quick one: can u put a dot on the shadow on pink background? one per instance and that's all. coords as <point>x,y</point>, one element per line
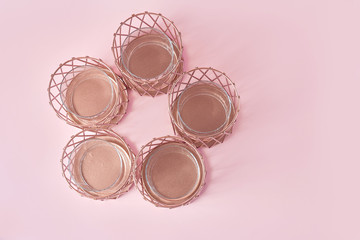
<point>289,170</point>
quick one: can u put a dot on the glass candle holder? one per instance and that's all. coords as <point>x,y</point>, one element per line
<point>203,106</point>
<point>98,164</point>
<point>169,172</point>
<point>85,92</point>
<point>148,52</point>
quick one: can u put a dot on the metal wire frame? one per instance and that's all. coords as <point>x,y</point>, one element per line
<point>67,163</point>
<point>54,92</point>
<point>139,164</point>
<point>156,86</point>
<point>204,74</point>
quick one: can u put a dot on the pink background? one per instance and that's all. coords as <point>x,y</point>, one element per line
<point>289,171</point>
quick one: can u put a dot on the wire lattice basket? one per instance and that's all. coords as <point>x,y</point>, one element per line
<point>71,166</point>
<point>219,82</point>
<point>59,85</point>
<point>132,29</point>
<point>144,156</point>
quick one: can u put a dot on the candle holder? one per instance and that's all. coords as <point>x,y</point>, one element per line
<point>86,93</point>
<point>203,106</point>
<point>98,164</point>
<point>169,172</point>
<point>148,52</point>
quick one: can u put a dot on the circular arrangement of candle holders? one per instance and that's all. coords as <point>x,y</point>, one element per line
<point>86,93</point>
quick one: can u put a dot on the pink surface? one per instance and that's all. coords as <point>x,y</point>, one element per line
<point>289,171</point>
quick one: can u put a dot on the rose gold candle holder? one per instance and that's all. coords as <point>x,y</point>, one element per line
<point>85,92</point>
<point>148,52</point>
<point>98,164</point>
<point>169,172</point>
<point>203,106</point>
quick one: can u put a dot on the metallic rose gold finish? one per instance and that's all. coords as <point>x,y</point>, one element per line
<point>203,106</point>
<point>148,62</point>
<point>98,164</point>
<point>169,172</point>
<point>86,93</point>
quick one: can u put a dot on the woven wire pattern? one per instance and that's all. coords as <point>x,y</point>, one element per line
<point>204,75</point>
<point>140,161</point>
<point>148,20</point>
<point>55,92</point>
<point>67,163</point>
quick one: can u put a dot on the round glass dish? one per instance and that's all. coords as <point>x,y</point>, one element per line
<point>147,54</point>
<point>203,106</point>
<point>169,172</point>
<point>86,93</point>
<point>98,164</point>
<point>147,48</point>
